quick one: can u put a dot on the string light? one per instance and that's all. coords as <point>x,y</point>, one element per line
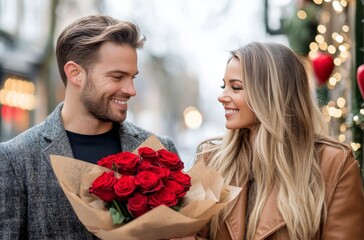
<point>338,44</point>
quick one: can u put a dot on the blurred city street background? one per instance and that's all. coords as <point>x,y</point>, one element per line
<point>182,64</point>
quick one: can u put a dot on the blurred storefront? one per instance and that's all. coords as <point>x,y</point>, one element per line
<point>23,35</point>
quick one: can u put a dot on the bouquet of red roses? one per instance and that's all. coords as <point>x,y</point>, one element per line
<point>153,186</point>
<point>139,183</point>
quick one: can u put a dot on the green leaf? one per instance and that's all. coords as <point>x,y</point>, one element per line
<point>178,206</point>
<point>117,217</point>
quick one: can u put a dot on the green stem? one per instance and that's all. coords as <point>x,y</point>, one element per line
<point>117,206</point>
<point>125,211</point>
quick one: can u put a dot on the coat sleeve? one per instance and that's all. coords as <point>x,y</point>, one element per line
<point>12,201</point>
<point>345,210</point>
<point>168,143</point>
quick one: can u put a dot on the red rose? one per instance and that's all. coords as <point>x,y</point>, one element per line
<point>175,187</point>
<point>103,186</point>
<point>138,204</point>
<point>164,196</point>
<point>162,172</point>
<point>107,161</point>
<point>149,155</point>
<point>170,160</point>
<point>182,178</point>
<point>124,187</point>
<point>148,181</point>
<point>144,165</point>
<point>127,162</point>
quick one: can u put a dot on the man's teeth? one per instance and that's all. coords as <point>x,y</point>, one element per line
<point>118,101</point>
<point>230,111</point>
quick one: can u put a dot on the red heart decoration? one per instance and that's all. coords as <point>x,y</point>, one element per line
<point>360,79</point>
<point>323,65</point>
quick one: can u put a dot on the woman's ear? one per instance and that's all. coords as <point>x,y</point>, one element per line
<point>73,72</point>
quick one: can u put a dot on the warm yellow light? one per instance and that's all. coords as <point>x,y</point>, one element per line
<point>332,81</point>
<point>3,93</point>
<point>337,61</point>
<point>332,111</point>
<point>325,109</point>
<point>192,117</point>
<point>355,146</point>
<point>331,49</point>
<point>318,2</point>
<point>342,48</point>
<point>339,38</point>
<point>345,28</point>
<point>344,55</point>
<point>356,119</point>
<point>323,46</point>
<point>321,28</point>
<point>337,6</point>
<point>361,111</point>
<point>338,76</point>
<point>312,54</point>
<point>344,3</point>
<point>301,14</point>
<point>342,138</point>
<point>343,127</point>
<point>340,102</point>
<point>319,38</point>
<point>314,46</point>
<point>18,93</point>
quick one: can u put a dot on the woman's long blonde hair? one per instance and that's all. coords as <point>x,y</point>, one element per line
<point>285,146</point>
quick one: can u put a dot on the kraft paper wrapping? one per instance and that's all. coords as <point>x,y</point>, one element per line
<point>206,197</point>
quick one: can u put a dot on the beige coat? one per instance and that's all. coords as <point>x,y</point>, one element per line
<point>344,199</point>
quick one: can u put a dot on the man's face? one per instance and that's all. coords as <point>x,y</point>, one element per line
<point>110,83</point>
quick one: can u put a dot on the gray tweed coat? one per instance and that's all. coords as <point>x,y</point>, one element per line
<point>32,204</point>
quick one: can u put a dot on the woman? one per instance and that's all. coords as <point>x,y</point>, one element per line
<point>297,183</point>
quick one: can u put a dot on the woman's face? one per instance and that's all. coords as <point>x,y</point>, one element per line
<point>237,112</point>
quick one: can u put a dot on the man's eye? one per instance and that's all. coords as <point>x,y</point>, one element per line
<point>222,86</point>
<point>118,78</point>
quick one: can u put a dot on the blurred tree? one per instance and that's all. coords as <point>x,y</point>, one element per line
<point>48,58</point>
<point>301,26</point>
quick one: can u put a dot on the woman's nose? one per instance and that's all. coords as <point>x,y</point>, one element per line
<point>223,98</point>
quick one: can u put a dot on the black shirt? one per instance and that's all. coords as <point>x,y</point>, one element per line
<point>91,148</point>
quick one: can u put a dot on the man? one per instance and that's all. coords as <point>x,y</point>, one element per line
<point>97,60</point>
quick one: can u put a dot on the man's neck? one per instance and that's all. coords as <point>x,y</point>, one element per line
<point>81,121</point>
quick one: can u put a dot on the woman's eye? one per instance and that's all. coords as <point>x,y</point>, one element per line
<point>236,88</point>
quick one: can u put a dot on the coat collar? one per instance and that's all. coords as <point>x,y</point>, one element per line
<point>131,136</point>
<point>55,136</point>
<point>270,221</point>
<point>58,143</point>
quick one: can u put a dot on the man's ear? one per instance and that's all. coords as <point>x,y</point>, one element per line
<point>73,72</point>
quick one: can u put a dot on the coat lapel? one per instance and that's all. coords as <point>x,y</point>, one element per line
<point>131,136</point>
<point>271,219</point>
<point>236,221</point>
<point>55,137</point>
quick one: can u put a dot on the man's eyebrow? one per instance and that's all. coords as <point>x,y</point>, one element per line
<point>120,72</point>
